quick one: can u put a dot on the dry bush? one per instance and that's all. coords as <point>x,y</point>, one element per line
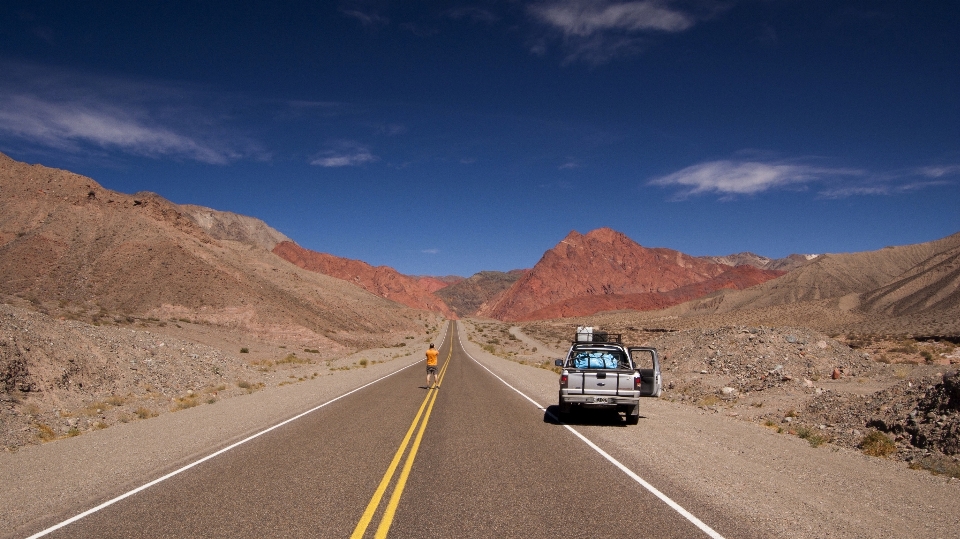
<point>877,444</point>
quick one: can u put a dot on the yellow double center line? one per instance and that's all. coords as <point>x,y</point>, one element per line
<point>387,519</point>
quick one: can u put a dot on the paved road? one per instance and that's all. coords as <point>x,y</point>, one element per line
<point>473,459</point>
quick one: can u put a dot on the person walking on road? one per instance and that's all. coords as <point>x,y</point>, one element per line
<point>432,354</point>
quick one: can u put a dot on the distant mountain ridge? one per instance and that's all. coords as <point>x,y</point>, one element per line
<point>788,263</point>
<point>466,296</point>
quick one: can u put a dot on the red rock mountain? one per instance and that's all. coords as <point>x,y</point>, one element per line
<point>605,270</point>
<point>383,281</point>
<point>432,284</point>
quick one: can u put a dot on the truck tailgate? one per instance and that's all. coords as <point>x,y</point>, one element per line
<point>600,383</point>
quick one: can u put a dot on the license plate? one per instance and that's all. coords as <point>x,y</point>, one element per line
<point>600,399</point>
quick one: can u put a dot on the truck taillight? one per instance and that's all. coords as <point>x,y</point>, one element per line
<point>637,381</point>
<point>563,380</point>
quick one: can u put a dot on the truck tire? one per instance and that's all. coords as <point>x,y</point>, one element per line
<point>633,416</point>
<point>563,409</point>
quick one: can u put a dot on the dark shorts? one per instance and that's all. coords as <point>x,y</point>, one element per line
<point>431,369</point>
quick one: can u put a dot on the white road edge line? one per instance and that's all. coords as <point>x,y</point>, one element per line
<point>653,490</point>
<point>108,503</point>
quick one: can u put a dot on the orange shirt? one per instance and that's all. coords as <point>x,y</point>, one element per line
<point>432,356</point>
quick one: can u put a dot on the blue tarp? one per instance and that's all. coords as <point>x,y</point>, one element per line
<point>595,360</point>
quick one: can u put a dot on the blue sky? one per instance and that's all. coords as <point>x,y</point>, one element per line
<point>453,137</point>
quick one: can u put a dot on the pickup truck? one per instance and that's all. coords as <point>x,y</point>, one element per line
<point>600,373</point>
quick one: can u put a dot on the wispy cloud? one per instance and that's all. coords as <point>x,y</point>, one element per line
<point>432,251</point>
<point>66,125</point>
<point>744,177</point>
<point>730,178</point>
<point>595,31</point>
<point>472,13</point>
<point>368,12</point>
<point>587,17</point>
<point>938,171</point>
<point>77,113</point>
<point>344,154</point>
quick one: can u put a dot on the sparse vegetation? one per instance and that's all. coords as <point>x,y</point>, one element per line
<point>145,413</point>
<point>877,444</point>
<point>245,350</point>
<point>812,436</point>
<point>45,433</point>
<point>938,465</point>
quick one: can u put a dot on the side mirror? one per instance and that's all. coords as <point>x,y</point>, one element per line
<point>558,362</point>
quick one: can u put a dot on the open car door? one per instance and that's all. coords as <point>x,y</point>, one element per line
<point>647,363</point>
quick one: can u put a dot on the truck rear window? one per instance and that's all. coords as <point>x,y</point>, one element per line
<point>594,359</point>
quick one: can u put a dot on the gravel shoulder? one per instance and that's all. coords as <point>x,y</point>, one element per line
<point>41,485</point>
<point>742,470</point>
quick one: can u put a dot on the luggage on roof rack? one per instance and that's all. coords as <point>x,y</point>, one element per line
<point>590,334</point>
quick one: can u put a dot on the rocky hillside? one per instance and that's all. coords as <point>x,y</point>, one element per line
<point>74,249</point>
<point>584,274</point>
<point>383,281</point>
<point>225,225</point>
<point>920,281</point>
<point>466,296</point>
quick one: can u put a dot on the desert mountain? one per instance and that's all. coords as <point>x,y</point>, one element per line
<point>905,289</point>
<point>588,273</point>
<point>383,281</point>
<point>788,263</point>
<point>466,296</point>
<point>225,225</point>
<point>75,249</point>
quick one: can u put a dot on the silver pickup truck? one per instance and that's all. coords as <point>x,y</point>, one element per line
<point>600,373</point>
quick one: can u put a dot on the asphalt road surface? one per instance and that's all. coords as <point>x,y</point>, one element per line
<point>473,458</point>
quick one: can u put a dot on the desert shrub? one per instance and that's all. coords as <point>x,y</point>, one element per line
<point>244,350</point>
<point>877,444</point>
<point>363,363</point>
<point>243,384</point>
<point>292,359</point>
<point>145,413</point>
<point>812,436</point>
<point>45,433</point>
<point>938,466</point>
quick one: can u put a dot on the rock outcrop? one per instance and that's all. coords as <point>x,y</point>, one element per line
<point>382,281</point>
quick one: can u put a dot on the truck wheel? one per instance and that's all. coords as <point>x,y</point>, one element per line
<point>563,410</point>
<point>633,415</point>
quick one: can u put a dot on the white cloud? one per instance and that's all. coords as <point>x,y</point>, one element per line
<point>940,171</point>
<point>345,154</point>
<point>587,17</point>
<point>729,178</point>
<point>64,125</point>
<point>79,113</point>
<point>596,31</point>
<point>743,178</point>
<point>431,251</point>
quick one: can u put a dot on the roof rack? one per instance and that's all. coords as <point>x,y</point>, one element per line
<point>593,336</point>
